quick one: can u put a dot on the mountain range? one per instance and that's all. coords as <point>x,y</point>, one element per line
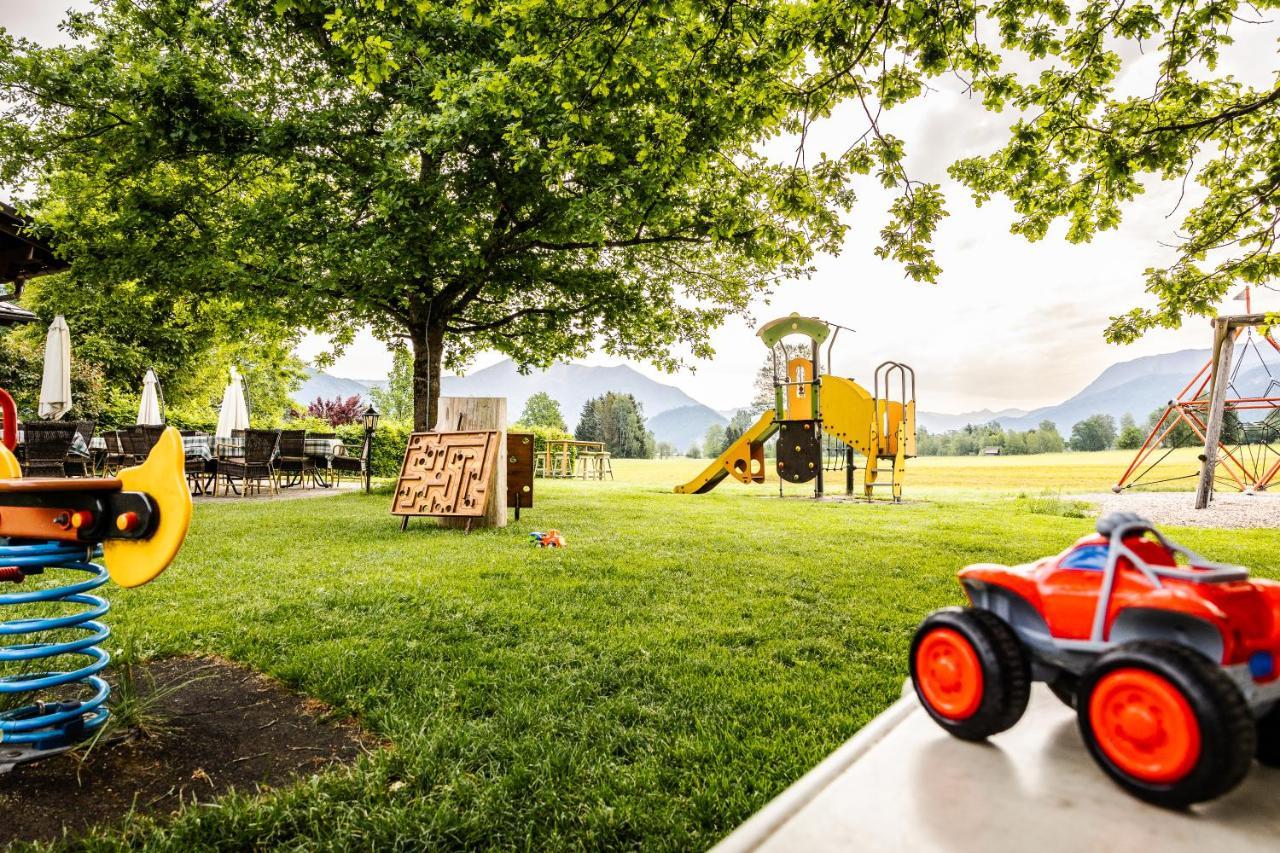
<point>1137,387</point>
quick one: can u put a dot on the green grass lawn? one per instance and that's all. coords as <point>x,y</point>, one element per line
<point>651,685</point>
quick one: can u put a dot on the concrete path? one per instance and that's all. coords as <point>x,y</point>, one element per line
<point>290,494</point>
<point>902,784</point>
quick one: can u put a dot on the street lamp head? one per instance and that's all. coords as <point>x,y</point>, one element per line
<point>371,418</point>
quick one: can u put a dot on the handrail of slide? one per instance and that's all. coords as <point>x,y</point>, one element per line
<point>722,467</point>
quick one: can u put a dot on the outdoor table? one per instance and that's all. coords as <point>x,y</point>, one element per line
<point>558,451</point>
<point>192,445</point>
<point>321,448</point>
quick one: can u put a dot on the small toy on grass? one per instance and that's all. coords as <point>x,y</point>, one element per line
<point>1168,659</point>
<point>550,539</point>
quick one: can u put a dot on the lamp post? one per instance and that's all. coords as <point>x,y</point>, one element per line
<point>370,424</point>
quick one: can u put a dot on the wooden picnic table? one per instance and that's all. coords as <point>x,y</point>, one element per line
<point>557,459</point>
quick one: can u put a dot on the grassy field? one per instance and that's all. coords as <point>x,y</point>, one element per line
<point>954,476</point>
<point>650,686</point>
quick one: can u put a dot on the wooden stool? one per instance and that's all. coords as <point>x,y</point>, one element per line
<point>604,466</point>
<point>588,465</point>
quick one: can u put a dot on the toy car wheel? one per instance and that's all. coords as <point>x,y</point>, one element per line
<point>970,672</point>
<point>1165,723</point>
<point>1268,750</point>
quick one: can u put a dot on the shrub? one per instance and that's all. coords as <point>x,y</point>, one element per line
<point>337,411</point>
<point>389,443</point>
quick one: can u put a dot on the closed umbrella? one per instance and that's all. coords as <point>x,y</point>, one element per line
<point>234,413</point>
<point>149,409</point>
<point>55,387</point>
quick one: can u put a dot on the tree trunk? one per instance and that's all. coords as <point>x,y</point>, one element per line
<point>428,351</point>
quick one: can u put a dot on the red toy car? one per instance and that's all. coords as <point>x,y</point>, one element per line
<point>1169,660</point>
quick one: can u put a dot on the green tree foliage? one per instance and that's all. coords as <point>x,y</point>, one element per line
<point>540,179</point>
<point>970,440</point>
<point>1085,144</point>
<point>191,342</point>
<point>1182,435</point>
<point>765,398</point>
<point>395,399</point>
<point>545,178</point>
<point>694,451</point>
<point>713,441</point>
<point>542,410</point>
<point>618,421</point>
<point>1131,435</point>
<point>1096,432</point>
<point>588,428</point>
<point>738,424</point>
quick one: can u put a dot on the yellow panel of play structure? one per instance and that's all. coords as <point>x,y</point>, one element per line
<point>800,397</point>
<point>743,460</point>
<point>135,562</point>
<point>847,412</point>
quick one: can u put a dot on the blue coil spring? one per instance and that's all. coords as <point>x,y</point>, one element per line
<point>65,719</point>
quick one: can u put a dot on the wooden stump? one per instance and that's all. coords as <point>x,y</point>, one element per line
<point>480,413</point>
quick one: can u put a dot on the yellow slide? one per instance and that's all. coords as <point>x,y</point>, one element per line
<point>744,460</point>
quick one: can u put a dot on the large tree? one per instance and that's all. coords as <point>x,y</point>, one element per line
<point>535,178</point>
<point>544,178</point>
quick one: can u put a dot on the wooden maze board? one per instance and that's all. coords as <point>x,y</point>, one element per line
<point>447,474</point>
<point>520,470</point>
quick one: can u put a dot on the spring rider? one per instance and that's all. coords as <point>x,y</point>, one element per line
<point>67,537</point>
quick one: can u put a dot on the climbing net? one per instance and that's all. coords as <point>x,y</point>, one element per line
<point>1249,445</point>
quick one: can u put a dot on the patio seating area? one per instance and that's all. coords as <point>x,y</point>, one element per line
<point>249,461</point>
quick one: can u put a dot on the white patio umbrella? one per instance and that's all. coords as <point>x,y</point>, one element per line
<point>149,409</point>
<point>234,413</point>
<point>55,387</point>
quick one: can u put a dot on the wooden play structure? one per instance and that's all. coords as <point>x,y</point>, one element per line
<point>469,470</point>
<point>823,420</point>
<point>1246,457</point>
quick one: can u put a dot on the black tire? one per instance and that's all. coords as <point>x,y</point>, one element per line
<point>1268,731</point>
<point>1006,672</point>
<point>1065,685</point>
<point>1226,726</point>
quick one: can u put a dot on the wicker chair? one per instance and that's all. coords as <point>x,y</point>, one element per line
<point>294,464</point>
<point>133,445</point>
<point>77,465</point>
<point>358,465</point>
<point>257,465</point>
<point>47,444</point>
<point>150,437</point>
<point>202,473</point>
<point>116,457</point>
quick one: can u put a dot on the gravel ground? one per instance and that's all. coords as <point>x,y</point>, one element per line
<point>1228,509</point>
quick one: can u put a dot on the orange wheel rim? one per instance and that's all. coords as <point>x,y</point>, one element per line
<point>949,674</point>
<point>1144,725</point>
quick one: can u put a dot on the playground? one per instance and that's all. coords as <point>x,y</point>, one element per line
<point>650,684</point>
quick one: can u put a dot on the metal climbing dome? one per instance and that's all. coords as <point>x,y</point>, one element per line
<point>1248,456</point>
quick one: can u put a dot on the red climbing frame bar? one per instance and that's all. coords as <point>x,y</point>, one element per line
<point>1188,407</point>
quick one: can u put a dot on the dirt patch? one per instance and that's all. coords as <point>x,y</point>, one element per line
<point>230,728</point>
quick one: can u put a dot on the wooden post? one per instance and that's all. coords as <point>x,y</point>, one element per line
<point>1223,345</point>
<point>466,414</point>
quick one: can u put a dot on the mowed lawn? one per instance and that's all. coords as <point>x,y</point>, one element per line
<point>651,685</point>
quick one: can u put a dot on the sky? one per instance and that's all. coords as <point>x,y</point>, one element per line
<point>1010,324</point>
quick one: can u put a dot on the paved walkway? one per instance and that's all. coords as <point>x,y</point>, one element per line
<point>902,784</point>
<point>291,494</point>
